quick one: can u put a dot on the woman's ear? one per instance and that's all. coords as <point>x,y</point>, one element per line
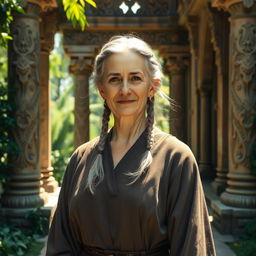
<point>101,91</point>
<point>154,88</point>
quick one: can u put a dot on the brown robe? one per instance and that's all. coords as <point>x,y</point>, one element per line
<point>166,204</point>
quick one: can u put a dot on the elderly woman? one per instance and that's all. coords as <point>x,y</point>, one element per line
<point>135,190</point>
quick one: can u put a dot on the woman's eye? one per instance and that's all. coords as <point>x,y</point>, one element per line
<point>136,78</point>
<point>114,80</point>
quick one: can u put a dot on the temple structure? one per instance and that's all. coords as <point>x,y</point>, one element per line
<point>209,53</point>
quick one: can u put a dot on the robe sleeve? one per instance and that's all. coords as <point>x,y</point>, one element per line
<point>62,240</point>
<point>189,229</point>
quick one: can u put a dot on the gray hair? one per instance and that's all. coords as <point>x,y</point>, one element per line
<point>118,44</point>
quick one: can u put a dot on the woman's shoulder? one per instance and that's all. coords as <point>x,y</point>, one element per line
<point>171,144</point>
<point>85,148</point>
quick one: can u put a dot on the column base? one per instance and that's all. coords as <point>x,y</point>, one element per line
<point>220,182</point>
<point>218,186</point>
<point>230,220</point>
<point>20,217</point>
<point>50,185</point>
<point>245,200</point>
<point>49,182</point>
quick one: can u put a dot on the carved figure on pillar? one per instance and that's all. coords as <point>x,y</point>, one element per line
<point>81,68</point>
<point>24,189</point>
<point>241,190</point>
<point>176,66</point>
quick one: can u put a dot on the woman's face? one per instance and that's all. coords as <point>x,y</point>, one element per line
<point>125,84</point>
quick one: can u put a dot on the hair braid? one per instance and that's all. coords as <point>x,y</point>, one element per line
<point>96,172</point>
<point>104,128</point>
<point>146,159</point>
<point>150,123</point>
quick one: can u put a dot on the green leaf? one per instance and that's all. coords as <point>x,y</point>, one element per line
<point>6,36</point>
<point>91,2</point>
<point>76,11</point>
<point>82,3</point>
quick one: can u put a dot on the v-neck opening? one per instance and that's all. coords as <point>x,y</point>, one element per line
<point>126,153</point>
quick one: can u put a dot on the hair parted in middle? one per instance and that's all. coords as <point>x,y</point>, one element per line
<point>119,44</point>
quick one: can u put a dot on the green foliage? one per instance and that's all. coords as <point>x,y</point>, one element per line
<point>162,108</point>
<point>246,246</point>
<point>7,7</point>
<point>75,11</point>
<point>62,107</point>
<point>13,241</point>
<point>38,221</point>
<point>7,146</point>
<point>17,241</point>
<point>96,109</point>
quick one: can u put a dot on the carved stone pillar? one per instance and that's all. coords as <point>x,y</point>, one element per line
<point>192,26</point>
<point>176,68</point>
<point>81,68</point>
<point>241,190</point>
<point>205,132</point>
<point>219,27</point>
<point>48,29</point>
<point>24,190</point>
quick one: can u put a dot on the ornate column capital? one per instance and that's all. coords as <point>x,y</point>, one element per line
<point>228,5</point>
<point>48,28</point>
<point>46,6</point>
<point>176,64</point>
<point>81,66</point>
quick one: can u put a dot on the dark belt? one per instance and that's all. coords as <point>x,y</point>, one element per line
<point>95,251</point>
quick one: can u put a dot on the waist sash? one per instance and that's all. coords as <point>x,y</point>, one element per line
<point>95,251</point>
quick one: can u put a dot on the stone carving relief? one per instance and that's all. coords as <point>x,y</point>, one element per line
<point>25,62</point>
<point>243,93</point>
<point>81,66</point>
<point>158,38</point>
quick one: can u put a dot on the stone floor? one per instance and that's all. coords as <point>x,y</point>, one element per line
<point>222,249</point>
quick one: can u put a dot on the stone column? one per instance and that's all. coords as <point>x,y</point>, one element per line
<point>193,29</point>
<point>176,68</point>
<point>48,29</point>
<point>219,27</point>
<point>241,190</point>
<point>205,132</point>
<point>81,68</point>
<point>24,190</point>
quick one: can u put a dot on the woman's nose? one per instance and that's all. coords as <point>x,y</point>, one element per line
<point>125,88</point>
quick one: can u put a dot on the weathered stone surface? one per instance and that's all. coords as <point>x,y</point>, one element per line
<point>24,189</point>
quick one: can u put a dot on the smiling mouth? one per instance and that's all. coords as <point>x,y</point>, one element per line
<point>125,101</point>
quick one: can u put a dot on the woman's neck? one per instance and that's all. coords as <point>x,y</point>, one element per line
<point>128,129</point>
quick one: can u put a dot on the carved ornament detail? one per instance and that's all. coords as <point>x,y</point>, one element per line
<point>158,38</point>
<point>25,63</point>
<point>226,4</point>
<point>48,28</point>
<point>243,93</point>
<point>81,66</point>
<point>176,64</point>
